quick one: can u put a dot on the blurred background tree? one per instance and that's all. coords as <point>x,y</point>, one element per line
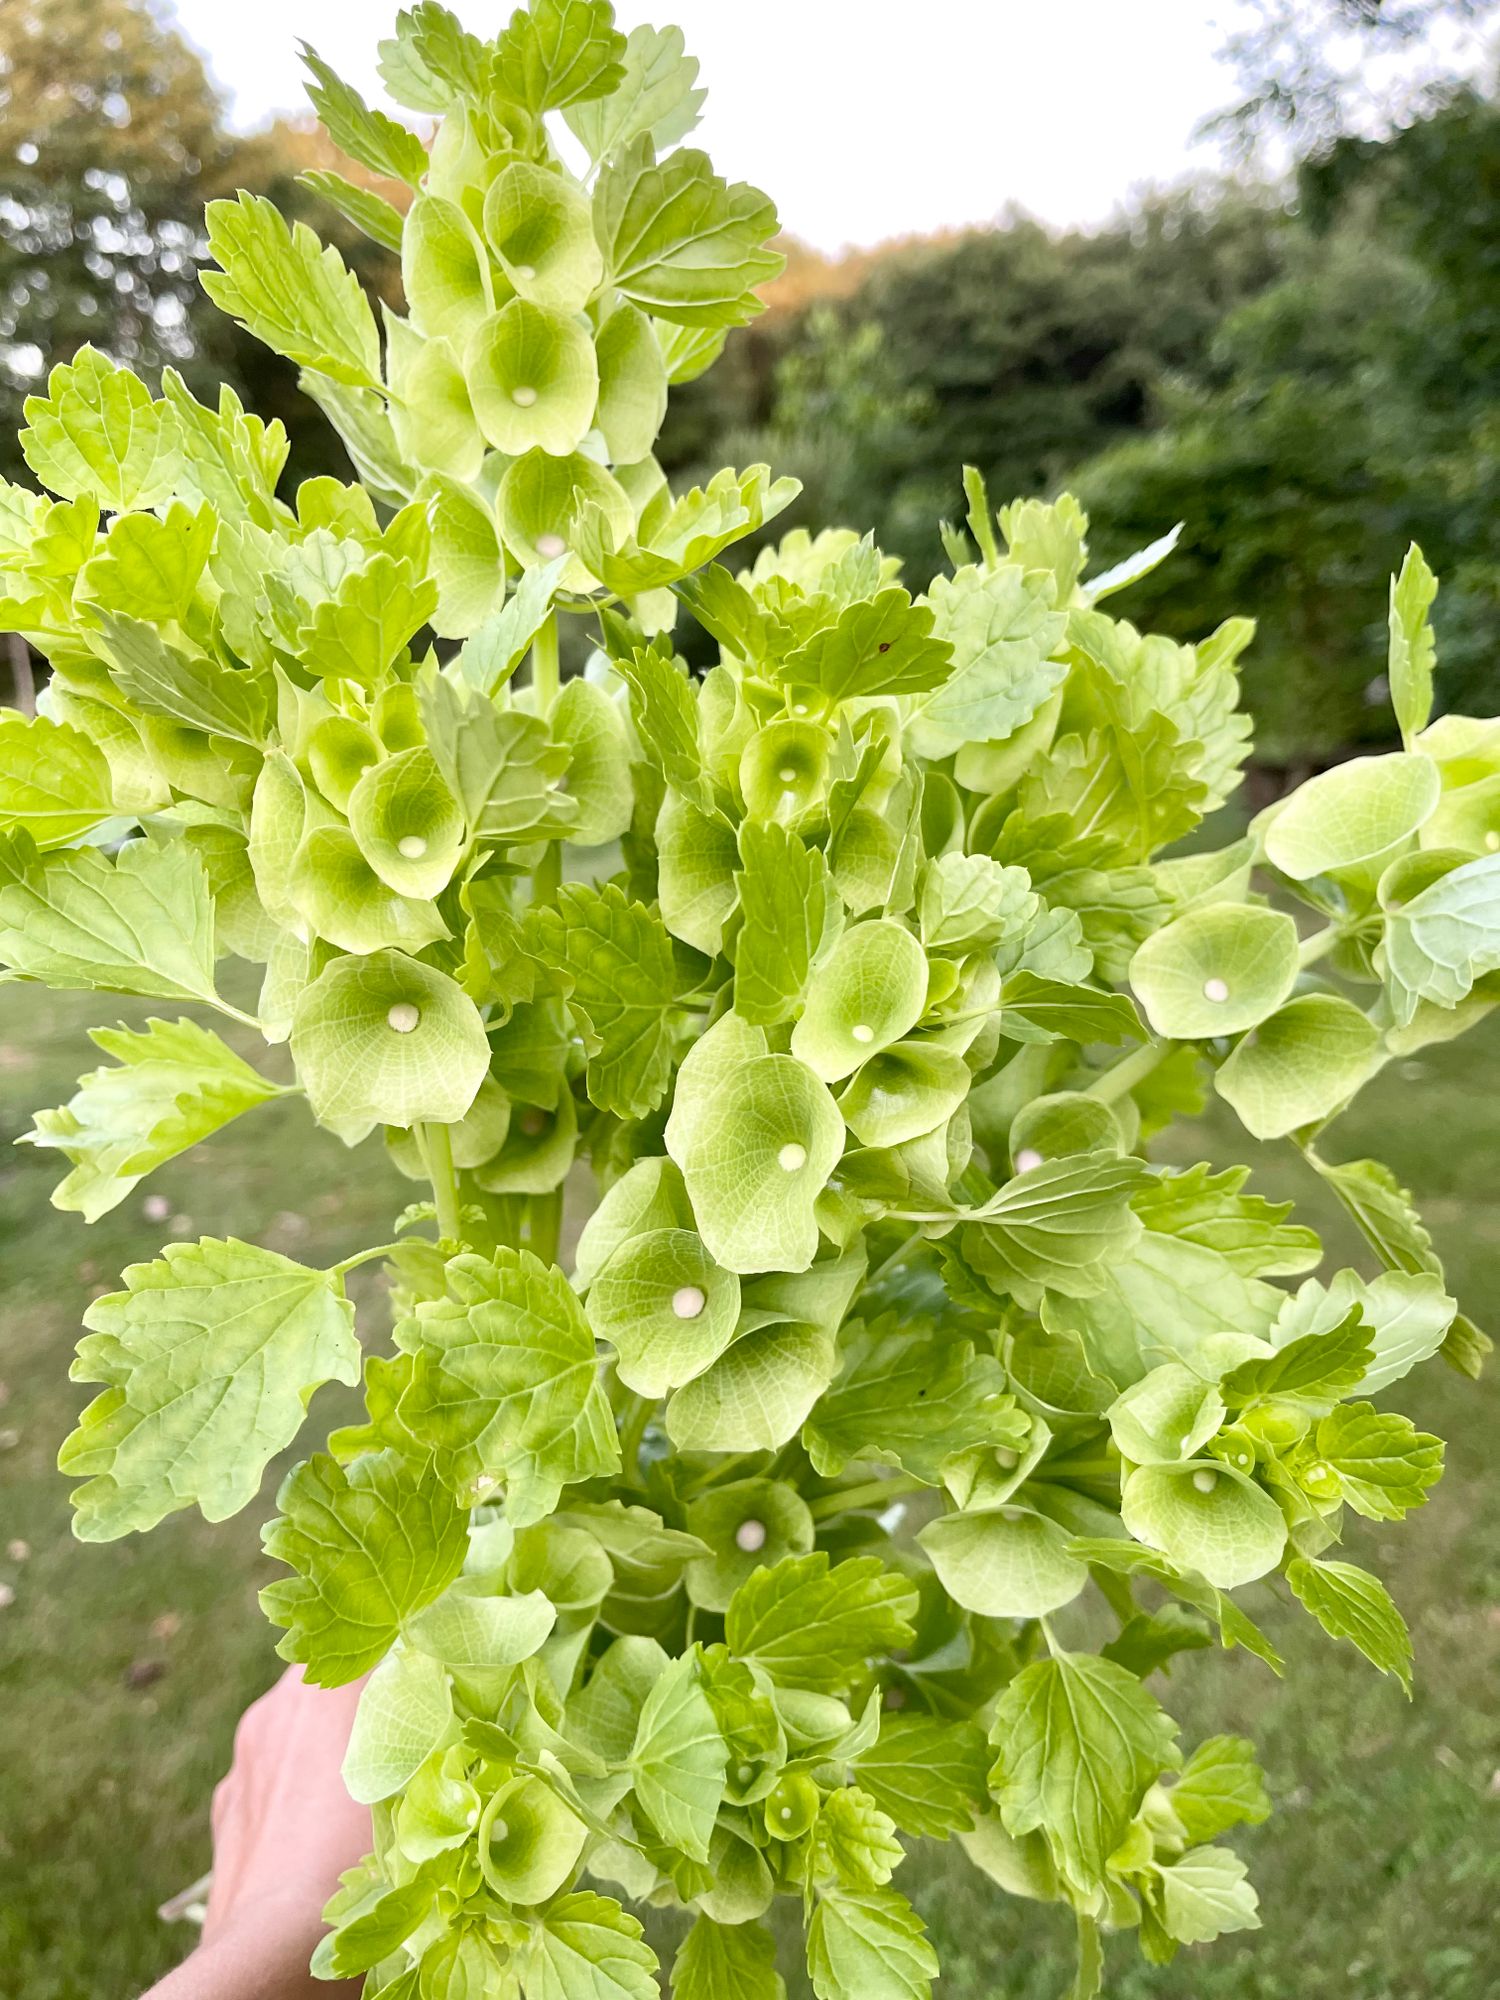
<point>1298,357</point>
<point>109,134</point>
<point>112,138</point>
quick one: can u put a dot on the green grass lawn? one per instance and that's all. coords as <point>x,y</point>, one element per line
<point>123,1667</point>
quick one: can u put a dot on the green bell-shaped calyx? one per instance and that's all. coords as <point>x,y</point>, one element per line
<point>444,269</point>
<point>666,1308</point>
<point>533,379</point>
<point>529,1841</point>
<point>870,991</point>
<point>537,223</point>
<point>541,502</point>
<point>386,1040</point>
<point>1216,971</point>
<point>1206,1517</point>
<point>408,824</point>
<point>632,385</point>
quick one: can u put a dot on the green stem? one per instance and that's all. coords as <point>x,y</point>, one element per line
<point>348,1264</point>
<point>437,1155</point>
<point>546,679</point>
<point>1318,944</point>
<point>885,1264</point>
<point>1128,1072</point>
<point>239,1014</point>
<point>873,1493</point>
<point>633,1424</point>
<point>546,1225</point>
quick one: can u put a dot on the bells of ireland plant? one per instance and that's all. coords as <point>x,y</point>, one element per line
<point>812,1412</point>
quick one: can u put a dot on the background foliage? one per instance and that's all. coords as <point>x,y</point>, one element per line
<point>1303,367</point>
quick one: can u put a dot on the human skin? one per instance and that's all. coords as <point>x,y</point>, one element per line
<point>284,1829</point>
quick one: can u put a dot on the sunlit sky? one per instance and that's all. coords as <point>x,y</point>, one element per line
<point>863,119</point>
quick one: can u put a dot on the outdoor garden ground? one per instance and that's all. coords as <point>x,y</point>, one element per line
<point>123,1667</point>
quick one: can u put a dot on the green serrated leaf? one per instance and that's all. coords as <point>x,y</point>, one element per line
<point>1413,650</point>
<point>96,434</point>
<point>791,918</point>
<point>812,1626</point>
<point>141,922</point>
<point>1351,1604</point>
<point>1384,1463</point>
<point>175,1084</point>
<point>585,1947</point>
<point>560,52</point>
<point>371,1543</point>
<point>678,1760</point>
<point>209,1356</point>
<point>291,291</point>
<point>375,140</point>
<point>681,242</point>
<point>617,959</point>
<point>1078,1741</point>
<point>505,1385</point>
<point>1220,1786</point>
<point>726,1962</point>
<point>654,98</point>
<point>869,1946</point>
<point>927,1772</point>
<point>55,783</point>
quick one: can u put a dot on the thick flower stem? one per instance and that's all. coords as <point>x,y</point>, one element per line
<point>1127,1072</point>
<point>437,1156</point>
<point>545,682</point>
<point>633,1422</point>
<point>873,1493</point>
<point>1318,944</point>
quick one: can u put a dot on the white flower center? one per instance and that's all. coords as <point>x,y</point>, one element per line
<point>750,1536</point>
<point>1215,989</point>
<point>862,1032</point>
<point>1204,1480</point>
<point>787,774</point>
<point>1027,1158</point>
<point>411,846</point>
<point>1007,1459</point>
<point>799,708</point>
<point>550,546</point>
<point>745,1773</point>
<point>526,272</point>
<point>688,1301</point>
<point>523,398</point>
<point>792,1157</point>
<point>498,1830</point>
<point>403,1016</point>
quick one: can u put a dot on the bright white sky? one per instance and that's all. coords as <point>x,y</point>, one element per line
<point>863,119</point>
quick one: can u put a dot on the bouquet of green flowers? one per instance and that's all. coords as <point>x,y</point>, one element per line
<point>893,1417</point>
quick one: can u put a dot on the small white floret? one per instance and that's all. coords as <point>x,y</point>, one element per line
<point>1216,990</point>
<point>411,847</point>
<point>550,546</point>
<point>403,1016</point>
<point>1205,1480</point>
<point>524,397</point>
<point>1027,1159</point>
<point>688,1301</point>
<point>750,1536</point>
<point>792,1158</point>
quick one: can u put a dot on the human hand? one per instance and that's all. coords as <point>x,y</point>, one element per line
<point>284,1829</point>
